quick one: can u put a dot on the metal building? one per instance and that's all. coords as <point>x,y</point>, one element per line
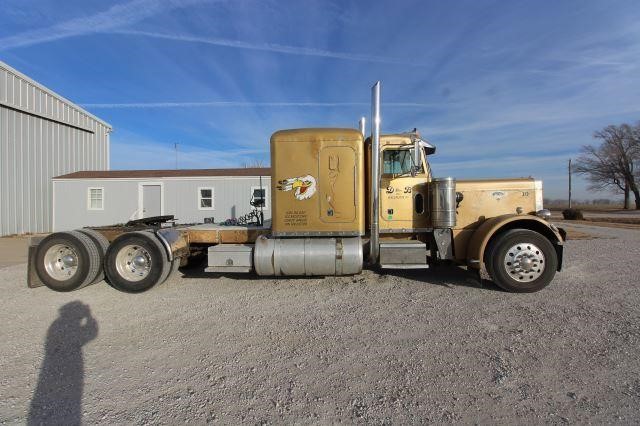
<point>42,135</point>
<point>96,198</point>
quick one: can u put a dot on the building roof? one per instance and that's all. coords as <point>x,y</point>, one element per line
<point>134,174</point>
<point>33,107</point>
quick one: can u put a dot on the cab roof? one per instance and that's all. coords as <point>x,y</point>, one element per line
<point>319,133</point>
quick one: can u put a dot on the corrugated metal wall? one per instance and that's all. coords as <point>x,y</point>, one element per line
<point>42,135</point>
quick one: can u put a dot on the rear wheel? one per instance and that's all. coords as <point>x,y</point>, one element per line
<point>521,261</point>
<point>175,265</point>
<point>136,261</point>
<point>67,261</point>
<point>102,244</point>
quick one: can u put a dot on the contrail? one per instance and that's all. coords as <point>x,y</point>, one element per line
<point>112,20</point>
<point>268,47</point>
<point>241,104</point>
<point>105,21</point>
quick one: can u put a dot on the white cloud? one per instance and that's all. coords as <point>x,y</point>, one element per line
<point>115,17</point>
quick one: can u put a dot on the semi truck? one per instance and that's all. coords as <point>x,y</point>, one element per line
<point>341,202</point>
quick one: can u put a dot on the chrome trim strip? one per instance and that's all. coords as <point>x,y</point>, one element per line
<point>317,234</point>
<point>405,244</point>
<point>405,230</point>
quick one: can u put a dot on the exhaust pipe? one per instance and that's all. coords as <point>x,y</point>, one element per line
<point>374,240</point>
<point>362,125</point>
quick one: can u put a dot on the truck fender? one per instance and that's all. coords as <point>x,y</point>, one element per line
<point>496,225</point>
<point>175,243</point>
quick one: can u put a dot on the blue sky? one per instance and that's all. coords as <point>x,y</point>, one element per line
<point>502,88</point>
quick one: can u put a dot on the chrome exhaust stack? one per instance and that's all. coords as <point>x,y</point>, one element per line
<point>374,239</point>
<point>362,126</point>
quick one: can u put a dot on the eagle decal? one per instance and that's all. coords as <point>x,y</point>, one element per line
<point>304,186</point>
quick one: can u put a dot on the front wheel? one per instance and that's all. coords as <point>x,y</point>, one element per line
<point>521,261</point>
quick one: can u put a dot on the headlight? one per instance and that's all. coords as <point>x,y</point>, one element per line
<point>544,214</point>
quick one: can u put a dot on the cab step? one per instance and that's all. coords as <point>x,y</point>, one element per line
<point>403,254</point>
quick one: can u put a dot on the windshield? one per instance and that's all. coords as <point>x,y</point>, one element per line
<point>398,161</point>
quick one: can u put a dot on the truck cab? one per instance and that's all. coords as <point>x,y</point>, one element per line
<point>468,222</point>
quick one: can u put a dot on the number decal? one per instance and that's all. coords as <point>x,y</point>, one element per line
<point>407,190</point>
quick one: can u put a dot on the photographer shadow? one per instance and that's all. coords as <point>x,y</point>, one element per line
<point>57,398</point>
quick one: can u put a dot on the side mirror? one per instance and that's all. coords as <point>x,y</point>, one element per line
<point>417,165</point>
<point>428,148</point>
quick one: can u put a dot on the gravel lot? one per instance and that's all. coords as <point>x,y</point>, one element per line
<point>13,250</point>
<point>431,346</point>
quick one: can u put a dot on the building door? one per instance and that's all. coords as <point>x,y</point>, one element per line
<point>151,200</point>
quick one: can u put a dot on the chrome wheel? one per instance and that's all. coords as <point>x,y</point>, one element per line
<point>136,261</point>
<point>524,262</point>
<point>133,263</point>
<point>61,262</point>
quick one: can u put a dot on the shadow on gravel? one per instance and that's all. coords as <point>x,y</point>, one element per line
<point>57,398</point>
<point>443,275</point>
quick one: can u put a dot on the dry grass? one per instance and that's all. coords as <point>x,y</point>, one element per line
<point>586,207</point>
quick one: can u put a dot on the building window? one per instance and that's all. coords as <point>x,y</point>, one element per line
<point>259,197</point>
<point>205,198</point>
<point>95,200</point>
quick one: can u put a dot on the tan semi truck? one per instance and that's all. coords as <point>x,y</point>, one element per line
<point>341,202</point>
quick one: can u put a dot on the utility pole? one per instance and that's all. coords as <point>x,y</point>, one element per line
<point>175,146</point>
<point>569,182</point>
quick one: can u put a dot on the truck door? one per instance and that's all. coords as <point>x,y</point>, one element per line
<point>403,197</point>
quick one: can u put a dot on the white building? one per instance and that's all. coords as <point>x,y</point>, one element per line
<point>95,198</point>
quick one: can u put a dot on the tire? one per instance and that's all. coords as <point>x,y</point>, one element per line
<point>521,261</point>
<point>102,244</point>
<point>173,269</point>
<point>136,261</point>
<point>67,261</point>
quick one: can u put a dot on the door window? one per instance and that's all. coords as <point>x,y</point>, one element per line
<point>398,161</point>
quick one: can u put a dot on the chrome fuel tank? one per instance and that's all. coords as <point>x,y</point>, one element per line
<point>308,256</point>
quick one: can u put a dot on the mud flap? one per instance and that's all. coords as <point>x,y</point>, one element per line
<point>559,246</point>
<point>33,280</point>
<point>559,251</point>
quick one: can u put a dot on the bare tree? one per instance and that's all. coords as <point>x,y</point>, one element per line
<point>615,163</point>
<point>256,162</point>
